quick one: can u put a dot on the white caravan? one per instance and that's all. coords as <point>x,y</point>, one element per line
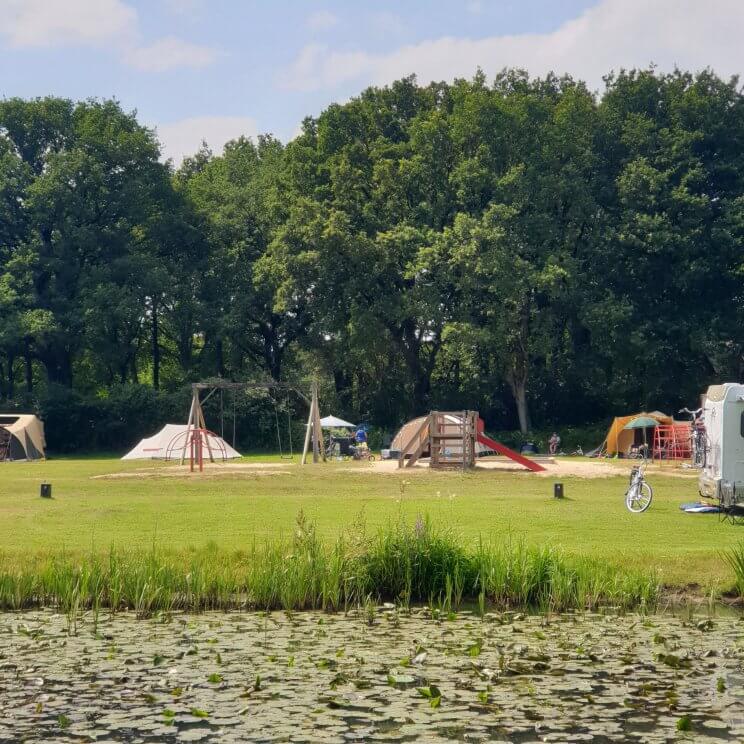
<point>723,415</point>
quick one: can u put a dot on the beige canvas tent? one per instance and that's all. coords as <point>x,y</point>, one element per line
<point>409,429</point>
<point>21,437</point>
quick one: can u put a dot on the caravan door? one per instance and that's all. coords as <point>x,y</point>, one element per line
<point>732,441</point>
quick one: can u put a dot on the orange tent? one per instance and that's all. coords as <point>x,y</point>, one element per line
<point>619,439</point>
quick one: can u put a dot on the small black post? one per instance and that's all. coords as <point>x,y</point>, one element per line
<point>46,491</point>
<point>557,490</point>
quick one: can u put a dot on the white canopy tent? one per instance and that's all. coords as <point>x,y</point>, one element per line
<point>333,422</point>
<point>168,444</point>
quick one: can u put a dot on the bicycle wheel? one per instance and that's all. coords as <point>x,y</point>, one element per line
<point>638,499</point>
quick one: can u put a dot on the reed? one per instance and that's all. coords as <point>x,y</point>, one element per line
<point>735,559</point>
<point>401,563</point>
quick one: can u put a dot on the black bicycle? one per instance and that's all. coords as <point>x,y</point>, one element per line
<point>698,438</point>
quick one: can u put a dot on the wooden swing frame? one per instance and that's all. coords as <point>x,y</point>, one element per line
<point>313,431</point>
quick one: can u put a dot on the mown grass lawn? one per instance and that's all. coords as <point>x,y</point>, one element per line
<point>231,511</point>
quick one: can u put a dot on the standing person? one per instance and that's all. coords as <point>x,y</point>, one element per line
<point>553,443</point>
<point>360,437</point>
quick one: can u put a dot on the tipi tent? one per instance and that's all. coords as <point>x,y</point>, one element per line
<point>168,444</point>
<point>619,439</point>
<point>409,429</point>
<point>21,437</point>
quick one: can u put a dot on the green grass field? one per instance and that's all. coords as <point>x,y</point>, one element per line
<point>232,511</point>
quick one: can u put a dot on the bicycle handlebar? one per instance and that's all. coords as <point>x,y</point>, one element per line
<point>694,413</point>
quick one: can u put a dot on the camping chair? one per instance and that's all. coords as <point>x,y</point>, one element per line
<point>730,503</point>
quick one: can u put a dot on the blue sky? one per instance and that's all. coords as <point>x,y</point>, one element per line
<point>216,68</point>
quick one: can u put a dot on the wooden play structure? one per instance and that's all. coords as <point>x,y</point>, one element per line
<point>451,439</point>
<point>197,442</point>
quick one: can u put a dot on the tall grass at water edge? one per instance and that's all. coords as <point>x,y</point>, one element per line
<point>735,559</point>
<point>400,563</point>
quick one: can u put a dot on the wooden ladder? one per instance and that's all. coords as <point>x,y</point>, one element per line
<point>415,445</point>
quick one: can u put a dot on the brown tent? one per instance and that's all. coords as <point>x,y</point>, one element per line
<point>620,440</point>
<point>21,437</point>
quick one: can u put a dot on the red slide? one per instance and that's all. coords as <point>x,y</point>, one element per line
<point>502,450</point>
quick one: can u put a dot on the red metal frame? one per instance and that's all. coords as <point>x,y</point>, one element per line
<point>672,441</point>
<point>196,443</point>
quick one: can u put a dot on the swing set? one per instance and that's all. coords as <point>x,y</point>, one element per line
<point>197,437</point>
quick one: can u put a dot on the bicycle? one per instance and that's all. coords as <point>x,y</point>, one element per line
<point>698,438</point>
<point>639,495</point>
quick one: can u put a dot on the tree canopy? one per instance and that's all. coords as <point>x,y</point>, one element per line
<point>522,247</point>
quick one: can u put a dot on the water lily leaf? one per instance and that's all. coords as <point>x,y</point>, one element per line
<point>215,678</point>
<point>291,661</point>
<point>684,723</point>
<point>400,681</point>
<point>199,713</point>
<point>63,720</point>
<point>339,679</point>
<point>473,650</point>
<point>720,685</point>
<point>177,691</point>
<point>157,660</point>
<point>430,692</point>
<point>168,713</point>
<point>674,661</point>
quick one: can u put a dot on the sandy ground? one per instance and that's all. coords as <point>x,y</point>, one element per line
<point>554,468</point>
<point>211,470</point>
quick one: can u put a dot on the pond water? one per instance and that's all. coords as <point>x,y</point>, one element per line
<point>380,675</point>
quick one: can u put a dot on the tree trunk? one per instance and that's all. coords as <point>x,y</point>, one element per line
<point>155,346</point>
<point>519,392</point>
<point>219,352</point>
<point>11,380</point>
<point>28,365</point>
<point>58,364</point>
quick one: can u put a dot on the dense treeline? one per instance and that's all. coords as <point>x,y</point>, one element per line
<point>522,247</point>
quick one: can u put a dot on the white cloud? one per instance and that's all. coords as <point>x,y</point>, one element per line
<point>182,138</point>
<point>39,23</point>
<point>611,35</point>
<point>168,53</point>
<point>110,23</point>
<point>322,20</point>
<point>318,67</point>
